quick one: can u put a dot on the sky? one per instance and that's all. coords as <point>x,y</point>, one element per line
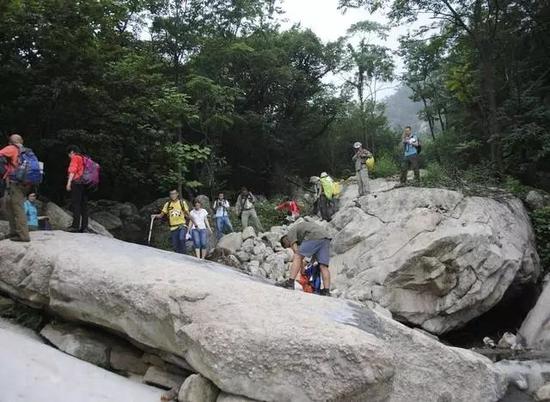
<point>329,23</point>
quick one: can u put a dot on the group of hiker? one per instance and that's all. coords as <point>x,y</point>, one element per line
<point>20,172</point>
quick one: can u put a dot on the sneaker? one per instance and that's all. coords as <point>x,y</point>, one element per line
<point>324,292</point>
<point>72,230</point>
<point>287,284</point>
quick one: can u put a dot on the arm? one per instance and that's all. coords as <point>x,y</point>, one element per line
<point>73,169</point>
<point>207,223</point>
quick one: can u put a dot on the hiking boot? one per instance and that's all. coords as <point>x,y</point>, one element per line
<point>324,292</point>
<point>287,284</point>
<point>72,230</point>
<point>20,240</point>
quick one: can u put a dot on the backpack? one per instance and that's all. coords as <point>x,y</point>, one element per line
<point>327,184</point>
<point>336,189</point>
<point>313,274</point>
<point>29,170</point>
<point>3,167</point>
<point>90,175</point>
<point>370,163</point>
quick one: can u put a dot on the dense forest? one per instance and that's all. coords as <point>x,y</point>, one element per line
<point>214,94</point>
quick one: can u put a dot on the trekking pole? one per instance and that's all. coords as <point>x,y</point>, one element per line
<point>150,230</point>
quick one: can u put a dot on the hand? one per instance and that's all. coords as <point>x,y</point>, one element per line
<point>68,187</point>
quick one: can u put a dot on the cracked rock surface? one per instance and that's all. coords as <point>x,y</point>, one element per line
<point>247,337</point>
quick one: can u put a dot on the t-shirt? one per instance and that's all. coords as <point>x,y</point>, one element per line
<point>76,166</point>
<point>176,215</point>
<point>409,148</point>
<point>306,231</point>
<point>291,207</point>
<point>199,217</point>
<point>221,207</point>
<point>11,152</point>
<point>32,213</point>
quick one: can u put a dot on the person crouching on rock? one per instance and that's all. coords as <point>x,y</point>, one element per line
<point>308,239</point>
<point>177,212</point>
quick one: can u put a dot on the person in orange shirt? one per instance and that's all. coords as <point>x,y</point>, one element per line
<point>79,192</point>
<point>17,192</point>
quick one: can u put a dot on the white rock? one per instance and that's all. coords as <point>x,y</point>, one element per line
<point>507,341</point>
<point>196,388</point>
<point>248,246</point>
<point>243,256</point>
<point>231,242</point>
<point>543,393</point>
<point>535,330</point>
<point>527,375</point>
<point>249,233</point>
<point>536,200</point>
<point>245,336</point>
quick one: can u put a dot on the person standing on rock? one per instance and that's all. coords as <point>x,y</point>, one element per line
<point>247,211</point>
<point>360,160</point>
<point>200,230</point>
<point>308,239</point>
<point>16,192</point>
<point>177,212</point>
<point>411,149</point>
<point>221,209</point>
<point>78,190</point>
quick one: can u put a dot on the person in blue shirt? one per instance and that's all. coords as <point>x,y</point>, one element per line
<point>31,212</point>
<point>411,147</point>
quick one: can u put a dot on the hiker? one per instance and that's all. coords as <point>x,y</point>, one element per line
<point>291,207</point>
<point>411,149</point>
<point>34,221</point>
<point>200,230</point>
<point>16,190</point>
<point>247,211</point>
<point>360,159</point>
<point>221,210</point>
<point>308,239</point>
<point>177,213</point>
<point>326,202</point>
<point>78,190</point>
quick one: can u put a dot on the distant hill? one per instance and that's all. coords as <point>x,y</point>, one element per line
<point>401,111</point>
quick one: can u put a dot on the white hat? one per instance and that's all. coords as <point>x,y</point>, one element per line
<point>324,174</point>
<point>357,145</point>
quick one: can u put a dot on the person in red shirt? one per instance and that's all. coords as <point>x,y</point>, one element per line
<point>291,207</point>
<point>17,192</point>
<point>79,192</point>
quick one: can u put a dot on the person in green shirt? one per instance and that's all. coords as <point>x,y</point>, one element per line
<point>308,239</point>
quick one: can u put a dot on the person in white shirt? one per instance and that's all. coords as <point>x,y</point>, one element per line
<point>221,209</point>
<point>201,228</point>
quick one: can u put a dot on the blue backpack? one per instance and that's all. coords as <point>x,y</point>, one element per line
<point>313,273</point>
<point>29,170</point>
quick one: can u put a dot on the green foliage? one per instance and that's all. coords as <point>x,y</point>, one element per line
<point>541,224</point>
<point>179,158</point>
<point>386,166</point>
<point>515,187</point>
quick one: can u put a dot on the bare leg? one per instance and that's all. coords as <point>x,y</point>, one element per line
<point>296,266</point>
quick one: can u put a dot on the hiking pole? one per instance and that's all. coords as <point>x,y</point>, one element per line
<point>151,229</point>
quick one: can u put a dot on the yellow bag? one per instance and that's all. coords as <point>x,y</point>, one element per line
<point>370,163</point>
<point>336,189</point>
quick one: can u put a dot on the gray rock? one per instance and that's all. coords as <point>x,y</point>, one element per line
<point>249,233</point>
<point>107,220</point>
<point>543,393</point>
<point>272,239</point>
<point>231,242</point>
<point>243,256</point>
<point>535,330</point>
<point>507,341</point>
<point>162,378</point>
<point>275,267</point>
<point>196,388</point>
<point>526,375</point>
<point>61,219</point>
<point>201,310</point>
<point>435,258</point>
<point>4,229</point>
<point>79,342</point>
<point>248,246</point>
<point>536,200</point>
<point>127,359</point>
<point>223,397</point>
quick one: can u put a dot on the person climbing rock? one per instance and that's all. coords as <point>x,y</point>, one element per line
<point>200,229</point>
<point>411,149</point>
<point>221,210</point>
<point>360,159</point>
<point>308,239</point>
<point>326,198</point>
<point>247,211</point>
<point>177,212</point>
<point>16,191</point>
<point>291,207</point>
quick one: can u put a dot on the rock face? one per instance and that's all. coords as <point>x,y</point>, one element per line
<point>196,388</point>
<point>435,258</point>
<point>32,371</point>
<point>247,337</point>
<point>61,219</point>
<point>535,330</point>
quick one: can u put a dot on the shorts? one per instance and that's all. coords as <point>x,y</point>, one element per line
<point>320,249</point>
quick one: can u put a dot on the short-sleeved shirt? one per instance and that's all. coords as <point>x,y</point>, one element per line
<point>11,152</point>
<point>410,149</point>
<point>32,214</point>
<point>221,207</point>
<point>76,166</point>
<point>199,218</point>
<point>306,231</point>
<point>176,212</point>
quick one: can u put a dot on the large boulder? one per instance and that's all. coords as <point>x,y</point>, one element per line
<point>247,337</point>
<point>231,242</point>
<point>535,330</point>
<point>61,219</point>
<point>196,388</point>
<point>435,258</point>
<point>107,220</point>
<point>4,229</point>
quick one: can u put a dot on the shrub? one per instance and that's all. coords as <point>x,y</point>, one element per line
<point>541,225</point>
<point>385,166</point>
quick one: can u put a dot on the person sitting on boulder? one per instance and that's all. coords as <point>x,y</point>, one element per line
<point>177,212</point>
<point>308,239</point>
